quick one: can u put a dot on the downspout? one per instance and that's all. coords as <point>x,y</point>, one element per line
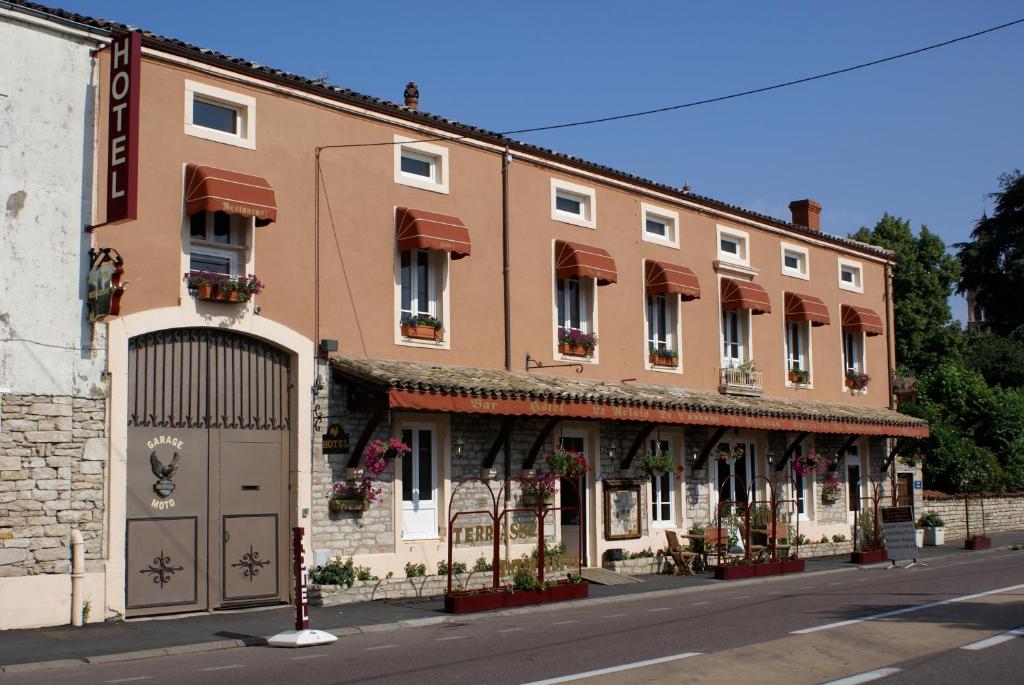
<point>890,342</point>
<point>506,158</point>
<point>77,574</point>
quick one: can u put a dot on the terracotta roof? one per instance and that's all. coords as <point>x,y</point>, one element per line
<point>388,375</point>
<point>320,87</point>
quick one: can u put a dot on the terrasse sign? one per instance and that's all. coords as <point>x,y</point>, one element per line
<point>123,127</point>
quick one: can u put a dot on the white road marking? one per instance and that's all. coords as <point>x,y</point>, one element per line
<point>740,597</point>
<point>660,609</point>
<point>697,604</point>
<point>776,592</point>
<point>307,656</point>
<point>129,680</point>
<point>370,649</point>
<point>905,610</point>
<point>451,637</point>
<point>806,587</point>
<point>511,630</point>
<point>613,669</point>
<point>613,615</point>
<point>222,668</point>
<point>839,583</point>
<point>562,623</point>
<point>865,677</point>
<point>996,640</point>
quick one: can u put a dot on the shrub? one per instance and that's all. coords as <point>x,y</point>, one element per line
<point>334,572</point>
<point>931,519</point>
<point>524,578</point>
<point>415,570</point>
<point>482,565</point>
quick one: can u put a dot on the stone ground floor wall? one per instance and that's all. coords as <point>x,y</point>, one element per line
<point>1002,513</point>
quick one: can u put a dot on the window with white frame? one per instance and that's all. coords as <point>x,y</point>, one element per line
<point>659,225</point>
<point>218,242</point>
<point>734,476</point>
<point>422,280</point>
<point>795,261</point>
<point>735,323</point>
<point>421,165</point>
<point>851,275</point>
<point>798,346</point>
<point>419,483</point>
<point>661,324</point>
<point>220,115</point>
<point>733,246</point>
<point>853,352</point>
<point>573,299</point>
<point>573,204</point>
<point>662,486</point>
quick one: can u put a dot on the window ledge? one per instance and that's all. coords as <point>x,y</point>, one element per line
<point>403,341</point>
<point>722,266</point>
<point>792,273</point>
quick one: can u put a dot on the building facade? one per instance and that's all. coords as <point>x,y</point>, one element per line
<point>479,299</point>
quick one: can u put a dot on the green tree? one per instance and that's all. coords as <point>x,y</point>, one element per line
<point>923,280</point>
<point>993,261</point>
<point>1000,359</point>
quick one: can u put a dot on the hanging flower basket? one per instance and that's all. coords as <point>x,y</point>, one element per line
<point>812,462</point>
<point>353,495</point>
<point>338,504</point>
<point>658,463</point>
<point>378,453</point>
<point>564,462</point>
<point>731,453</point>
<point>539,490</point>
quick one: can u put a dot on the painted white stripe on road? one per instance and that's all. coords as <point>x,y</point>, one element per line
<point>660,609</point>
<point>372,649</point>
<point>740,597</point>
<point>866,677</point>
<point>697,604</point>
<point>612,615</point>
<point>307,656</point>
<point>511,630</point>
<point>997,639</point>
<point>222,668</point>
<point>129,680</point>
<point>562,623</point>
<point>613,669</point>
<point>905,610</point>
<point>451,637</point>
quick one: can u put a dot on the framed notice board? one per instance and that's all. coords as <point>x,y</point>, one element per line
<point>621,509</point>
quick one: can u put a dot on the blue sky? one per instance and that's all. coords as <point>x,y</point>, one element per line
<point>924,138</point>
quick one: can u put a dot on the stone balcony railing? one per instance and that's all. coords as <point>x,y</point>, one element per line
<point>741,382</point>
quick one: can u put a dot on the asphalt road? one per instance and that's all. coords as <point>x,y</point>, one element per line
<point>799,629</point>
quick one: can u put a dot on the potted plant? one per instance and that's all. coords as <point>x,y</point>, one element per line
<point>576,343</point>
<point>539,490</point>
<point>526,588</point>
<point>730,453</point>
<point>247,286</point>
<point>200,283</point>
<point>564,462</point>
<point>421,327</point>
<point>378,453</point>
<point>934,528</point>
<point>662,356</point>
<point>871,543</point>
<point>830,489</point>
<point>349,495</point>
<point>809,463</point>
<point>657,463</point>
<point>857,380</point>
<point>799,376</point>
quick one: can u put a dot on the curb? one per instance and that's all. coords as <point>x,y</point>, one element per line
<point>440,620</point>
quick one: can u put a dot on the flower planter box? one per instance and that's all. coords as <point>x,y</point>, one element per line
<point>470,602</point>
<point>566,591</point>
<point>211,293</point>
<point>338,505</point>
<point>978,542</point>
<point>422,332</point>
<point>699,474</point>
<point>829,499</point>
<point>872,556</point>
<point>933,537</point>
<point>793,566</point>
<point>531,500</point>
<point>574,350</point>
<point>768,568</point>
<point>797,379</point>
<point>734,572</point>
<point>659,360</point>
<point>522,598</point>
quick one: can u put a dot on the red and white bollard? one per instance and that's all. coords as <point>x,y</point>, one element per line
<point>303,635</point>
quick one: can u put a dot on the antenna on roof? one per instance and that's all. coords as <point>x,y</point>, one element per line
<point>320,77</point>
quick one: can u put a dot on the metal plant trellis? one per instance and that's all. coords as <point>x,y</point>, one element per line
<point>497,515</point>
<point>722,504</point>
<point>874,496</point>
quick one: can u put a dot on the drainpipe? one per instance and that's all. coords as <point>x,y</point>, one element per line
<point>890,341</point>
<point>77,574</point>
<point>506,158</point>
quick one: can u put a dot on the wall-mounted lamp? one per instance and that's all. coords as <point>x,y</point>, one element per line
<point>459,445</point>
<point>318,384</point>
<point>612,449</point>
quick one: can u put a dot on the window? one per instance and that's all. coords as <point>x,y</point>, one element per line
<point>660,325</point>
<point>733,246</point>
<point>421,165</point>
<point>795,261</point>
<point>659,225</point>
<point>220,115</point>
<point>802,493</point>
<point>422,281</point>
<point>572,302</point>
<point>797,346</point>
<point>661,490</point>
<point>419,500</point>
<point>851,276</point>
<point>733,477</point>
<point>734,335</point>
<point>218,242</point>
<point>853,352</point>
<point>573,204</point>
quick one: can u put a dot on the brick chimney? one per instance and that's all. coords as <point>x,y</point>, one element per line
<point>806,213</point>
<point>412,95</point>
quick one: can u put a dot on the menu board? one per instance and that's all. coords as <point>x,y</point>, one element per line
<point>900,540</point>
<point>621,509</point>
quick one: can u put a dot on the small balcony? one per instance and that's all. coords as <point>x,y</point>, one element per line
<point>739,381</point>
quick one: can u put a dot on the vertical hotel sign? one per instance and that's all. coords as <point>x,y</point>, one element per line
<point>123,127</point>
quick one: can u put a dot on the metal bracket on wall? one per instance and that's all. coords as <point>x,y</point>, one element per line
<point>537,364</point>
<point>319,416</point>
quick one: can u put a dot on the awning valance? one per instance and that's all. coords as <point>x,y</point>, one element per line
<point>209,189</point>
<point>738,294</point>
<point>418,229</point>
<point>861,320</point>
<point>662,277</point>
<point>576,259</point>
<point>806,308</point>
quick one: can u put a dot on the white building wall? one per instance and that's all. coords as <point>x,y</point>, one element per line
<point>47,92</point>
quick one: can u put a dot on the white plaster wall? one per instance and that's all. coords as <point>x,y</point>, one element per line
<point>46,156</point>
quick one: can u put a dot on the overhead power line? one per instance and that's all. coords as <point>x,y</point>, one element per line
<point>707,101</point>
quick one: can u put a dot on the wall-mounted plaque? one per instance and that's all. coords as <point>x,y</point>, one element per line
<point>104,283</point>
<point>621,509</point>
<point>335,440</point>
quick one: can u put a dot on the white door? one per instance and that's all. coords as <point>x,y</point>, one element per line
<point>419,484</point>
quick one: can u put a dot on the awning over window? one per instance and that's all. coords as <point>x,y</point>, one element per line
<point>745,295</point>
<point>806,308</point>
<point>662,277</point>
<point>418,229</point>
<point>209,189</point>
<point>861,320</point>
<point>575,259</point>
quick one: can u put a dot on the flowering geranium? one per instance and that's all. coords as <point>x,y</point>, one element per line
<point>541,485</point>
<point>858,380</point>
<point>731,453</point>
<point>830,487</point>
<point>421,320</point>
<point>379,452</point>
<point>659,461</point>
<point>577,338</point>
<point>565,462</point>
<point>357,490</point>
<point>810,463</point>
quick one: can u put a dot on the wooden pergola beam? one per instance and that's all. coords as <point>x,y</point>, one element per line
<point>364,437</point>
<point>845,446</point>
<point>892,454</point>
<point>531,458</point>
<point>790,451</point>
<point>645,431</point>
<point>499,441</point>
<point>705,451</point>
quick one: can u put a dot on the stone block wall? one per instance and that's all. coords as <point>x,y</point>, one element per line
<point>1002,513</point>
<point>53,459</point>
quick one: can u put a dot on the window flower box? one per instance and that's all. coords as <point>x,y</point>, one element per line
<point>422,327</point>
<point>338,504</point>
<point>855,380</point>
<point>663,357</point>
<point>799,377</point>
<point>217,287</point>
<point>734,572</point>
<point>575,343</point>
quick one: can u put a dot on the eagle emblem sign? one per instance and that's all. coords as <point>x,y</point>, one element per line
<point>164,486</point>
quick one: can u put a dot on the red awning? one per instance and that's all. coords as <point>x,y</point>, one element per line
<point>209,189</point>
<point>418,229</point>
<point>861,320</point>
<point>806,308</point>
<point>745,295</point>
<point>662,277</point>
<point>575,259</point>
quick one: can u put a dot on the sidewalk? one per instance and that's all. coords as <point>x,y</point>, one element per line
<point>224,630</point>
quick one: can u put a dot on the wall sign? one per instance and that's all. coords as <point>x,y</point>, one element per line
<point>918,485</point>
<point>123,127</point>
<point>104,283</point>
<point>621,509</point>
<point>335,440</point>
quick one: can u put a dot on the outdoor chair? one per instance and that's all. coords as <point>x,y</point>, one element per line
<point>683,559</point>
